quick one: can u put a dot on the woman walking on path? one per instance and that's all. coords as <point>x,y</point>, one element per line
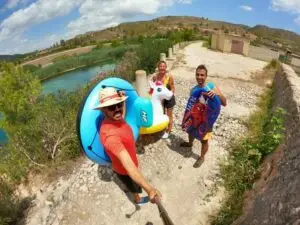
<point>168,81</point>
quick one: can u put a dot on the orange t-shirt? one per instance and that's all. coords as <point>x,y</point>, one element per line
<point>115,137</point>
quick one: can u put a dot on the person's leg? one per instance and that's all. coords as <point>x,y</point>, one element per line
<point>170,115</point>
<point>204,149</point>
<point>133,188</point>
<point>168,130</point>
<point>188,144</point>
<point>168,109</point>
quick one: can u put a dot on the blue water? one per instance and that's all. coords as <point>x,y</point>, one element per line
<point>74,79</point>
<point>68,81</point>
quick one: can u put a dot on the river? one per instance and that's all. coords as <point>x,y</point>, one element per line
<point>68,81</point>
<point>74,79</point>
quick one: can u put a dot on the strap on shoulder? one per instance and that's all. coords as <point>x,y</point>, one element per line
<point>166,80</point>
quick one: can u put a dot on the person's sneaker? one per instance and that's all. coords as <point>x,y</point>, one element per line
<point>142,200</point>
<point>166,135</point>
<point>198,163</point>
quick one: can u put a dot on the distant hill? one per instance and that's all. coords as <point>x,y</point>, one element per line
<point>10,57</point>
<point>274,33</point>
<point>289,39</point>
<point>274,38</point>
<point>163,25</point>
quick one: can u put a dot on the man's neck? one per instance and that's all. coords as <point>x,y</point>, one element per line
<point>202,85</point>
<point>112,120</point>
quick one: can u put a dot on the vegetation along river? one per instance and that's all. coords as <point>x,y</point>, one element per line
<point>69,81</point>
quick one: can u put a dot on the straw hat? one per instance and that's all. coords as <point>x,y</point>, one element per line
<point>109,96</point>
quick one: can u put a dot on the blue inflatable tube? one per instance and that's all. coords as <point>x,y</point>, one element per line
<point>138,113</point>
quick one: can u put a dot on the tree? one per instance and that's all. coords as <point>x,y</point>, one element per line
<point>62,43</point>
<point>188,35</point>
<point>19,91</point>
<point>115,43</point>
<point>141,38</point>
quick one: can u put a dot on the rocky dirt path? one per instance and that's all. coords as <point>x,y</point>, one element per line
<point>92,195</point>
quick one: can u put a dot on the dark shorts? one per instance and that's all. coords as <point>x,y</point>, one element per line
<point>169,103</point>
<point>129,183</point>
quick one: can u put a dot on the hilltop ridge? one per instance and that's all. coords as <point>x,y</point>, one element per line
<point>260,34</point>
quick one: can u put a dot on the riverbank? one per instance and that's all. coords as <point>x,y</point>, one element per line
<point>100,62</point>
<point>71,63</point>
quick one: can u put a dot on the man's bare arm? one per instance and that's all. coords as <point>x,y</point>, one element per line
<point>136,175</point>
<point>221,96</point>
<point>171,83</point>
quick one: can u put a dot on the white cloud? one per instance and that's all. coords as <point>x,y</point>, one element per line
<point>297,20</point>
<point>19,45</point>
<point>292,6</point>
<point>185,1</point>
<point>246,8</point>
<point>36,13</point>
<point>11,4</point>
<point>94,15</point>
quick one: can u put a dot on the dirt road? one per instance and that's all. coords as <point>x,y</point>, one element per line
<point>92,196</point>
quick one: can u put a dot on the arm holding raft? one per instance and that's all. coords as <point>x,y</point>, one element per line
<point>216,91</point>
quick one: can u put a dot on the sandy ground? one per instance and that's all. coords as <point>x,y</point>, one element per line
<point>92,195</point>
<point>223,65</point>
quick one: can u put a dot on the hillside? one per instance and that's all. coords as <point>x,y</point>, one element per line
<point>274,38</point>
<point>269,35</point>
<point>163,25</point>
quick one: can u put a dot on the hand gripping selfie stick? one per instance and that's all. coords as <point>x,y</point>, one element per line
<point>163,213</point>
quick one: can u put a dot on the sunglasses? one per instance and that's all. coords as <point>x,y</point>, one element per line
<point>113,107</point>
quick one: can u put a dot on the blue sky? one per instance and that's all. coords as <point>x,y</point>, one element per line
<point>27,25</point>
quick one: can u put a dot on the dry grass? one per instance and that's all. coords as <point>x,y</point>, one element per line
<point>49,58</point>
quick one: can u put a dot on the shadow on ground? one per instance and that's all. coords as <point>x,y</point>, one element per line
<point>186,152</point>
<point>106,174</point>
<point>25,205</point>
<point>145,140</point>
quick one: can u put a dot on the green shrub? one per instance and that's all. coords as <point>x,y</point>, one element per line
<point>115,43</point>
<point>273,64</point>
<point>149,53</point>
<point>9,204</point>
<point>41,129</point>
<point>103,55</point>
<point>265,134</point>
<point>205,44</point>
<point>31,68</point>
<point>62,57</point>
<point>127,66</point>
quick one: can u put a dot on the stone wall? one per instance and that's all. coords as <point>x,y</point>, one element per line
<point>262,53</point>
<point>295,62</point>
<point>278,200</point>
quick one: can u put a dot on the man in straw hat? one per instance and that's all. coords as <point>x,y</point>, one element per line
<point>118,141</point>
